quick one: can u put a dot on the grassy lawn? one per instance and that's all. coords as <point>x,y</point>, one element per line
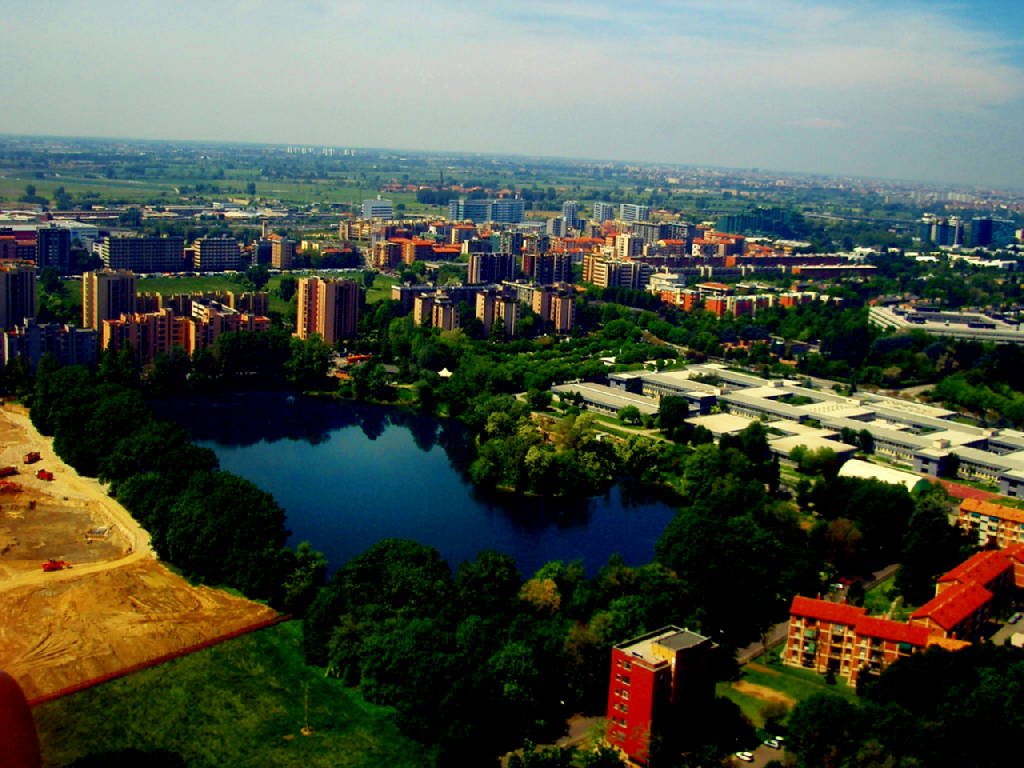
<point>790,684</point>
<point>381,290</point>
<point>878,602</point>
<point>239,704</point>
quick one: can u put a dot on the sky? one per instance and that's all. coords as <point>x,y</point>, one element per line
<point>921,91</point>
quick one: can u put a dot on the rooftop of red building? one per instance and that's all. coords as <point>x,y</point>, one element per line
<point>990,509</point>
<point>980,568</point>
<point>823,610</point>
<point>671,638</point>
<point>953,605</point>
<point>894,631</point>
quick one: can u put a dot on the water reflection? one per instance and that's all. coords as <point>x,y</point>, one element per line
<point>350,474</point>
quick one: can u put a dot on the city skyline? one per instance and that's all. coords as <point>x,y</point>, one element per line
<point>903,90</point>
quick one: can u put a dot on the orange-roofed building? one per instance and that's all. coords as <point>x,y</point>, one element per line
<point>991,569</point>
<point>821,635</point>
<point>416,249</point>
<point>825,636</point>
<point>959,611</point>
<point>446,252</point>
<point>880,642</point>
<point>462,232</point>
<point>717,305</point>
<point>989,521</point>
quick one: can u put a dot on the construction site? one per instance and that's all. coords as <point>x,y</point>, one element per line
<point>84,597</point>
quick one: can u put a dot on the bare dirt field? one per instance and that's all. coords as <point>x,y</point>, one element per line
<point>115,606</point>
<point>763,693</point>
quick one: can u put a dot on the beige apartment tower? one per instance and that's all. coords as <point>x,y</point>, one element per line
<point>106,295</point>
<point>327,307</point>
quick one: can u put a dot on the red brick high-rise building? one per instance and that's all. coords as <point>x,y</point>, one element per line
<point>659,685</point>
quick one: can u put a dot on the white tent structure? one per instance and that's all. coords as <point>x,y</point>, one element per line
<point>868,471</point>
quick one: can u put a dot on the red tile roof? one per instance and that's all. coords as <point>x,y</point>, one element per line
<point>897,632</point>
<point>982,568</point>
<point>823,610</point>
<point>1015,552</point>
<point>953,605</point>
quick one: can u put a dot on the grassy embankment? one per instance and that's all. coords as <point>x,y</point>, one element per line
<point>767,679</point>
<point>240,703</point>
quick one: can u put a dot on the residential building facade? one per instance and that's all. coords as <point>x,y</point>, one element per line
<point>106,295</point>
<point>658,683</point>
<point>217,254</point>
<point>142,253</point>
<point>329,308</point>
<point>17,293</point>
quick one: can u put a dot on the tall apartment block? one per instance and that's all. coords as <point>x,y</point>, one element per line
<point>500,307</point>
<point>262,253</point>
<point>660,684</point>
<point>548,268</point>
<point>329,308</point>
<point>17,294</point>
<point>143,254</point>
<point>571,213</point>
<point>634,212</point>
<point>53,249</point>
<point>490,268</point>
<point>282,252</point>
<point>378,209</point>
<point>604,212</point>
<point>106,295</point>
<point>217,254</point>
<point>502,211</point>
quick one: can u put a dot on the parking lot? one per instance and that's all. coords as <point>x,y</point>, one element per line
<point>762,756</point>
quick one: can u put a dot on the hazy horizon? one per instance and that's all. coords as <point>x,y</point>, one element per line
<point>912,91</point>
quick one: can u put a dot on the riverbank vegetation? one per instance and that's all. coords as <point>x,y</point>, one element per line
<point>217,527</point>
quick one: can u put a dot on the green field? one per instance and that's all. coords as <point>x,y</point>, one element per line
<point>239,704</point>
<point>770,676</point>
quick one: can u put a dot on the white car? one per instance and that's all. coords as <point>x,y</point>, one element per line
<point>773,743</point>
<point>747,757</point>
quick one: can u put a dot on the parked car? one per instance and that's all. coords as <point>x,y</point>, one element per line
<point>747,757</point>
<point>773,743</point>
<point>1015,618</point>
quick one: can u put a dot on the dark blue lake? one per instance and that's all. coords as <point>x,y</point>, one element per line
<point>349,475</point>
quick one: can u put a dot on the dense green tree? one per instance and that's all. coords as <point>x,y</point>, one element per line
<point>931,546</point>
<point>672,413</point>
<point>225,530</point>
<point>823,730</point>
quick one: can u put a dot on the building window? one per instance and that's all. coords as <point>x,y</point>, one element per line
<point>625,695</point>
<point>627,666</point>
<point>625,680</point>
